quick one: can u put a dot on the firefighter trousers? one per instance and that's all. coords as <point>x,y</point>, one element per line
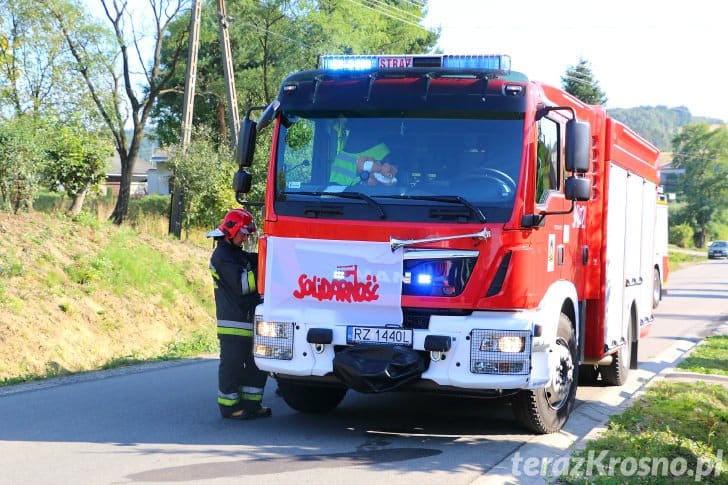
<point>240,382</point>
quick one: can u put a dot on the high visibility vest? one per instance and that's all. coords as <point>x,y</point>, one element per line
<point>343,170</point>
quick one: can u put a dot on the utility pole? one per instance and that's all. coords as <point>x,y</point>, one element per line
<point>191,74</point>
<point>177,203</point>
<point>227,63</point>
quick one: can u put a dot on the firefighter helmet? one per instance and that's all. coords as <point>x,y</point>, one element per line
<point>235,221</point>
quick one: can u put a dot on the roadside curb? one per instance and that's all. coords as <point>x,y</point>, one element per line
<point>589,421</point>
<point>93,375</point>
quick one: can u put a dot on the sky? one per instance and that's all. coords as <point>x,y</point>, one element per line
<point>641,52</point>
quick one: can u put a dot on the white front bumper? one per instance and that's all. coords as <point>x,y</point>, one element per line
<point>452,369</point>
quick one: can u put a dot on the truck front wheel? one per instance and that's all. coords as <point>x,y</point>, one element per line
<point>310,398</point>
<point>546,410</point>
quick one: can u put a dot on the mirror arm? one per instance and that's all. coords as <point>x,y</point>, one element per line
<point>247,203</point>
<point>544,110</point>
<point>537,220</point>
<point>253,108</point>
<point>567,211</point>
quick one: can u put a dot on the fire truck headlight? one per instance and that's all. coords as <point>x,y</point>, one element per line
<point>511,343</point>
<point>505,343</point>
<point>500,351</point>
<point>273,340</point>
<point>273,329</point>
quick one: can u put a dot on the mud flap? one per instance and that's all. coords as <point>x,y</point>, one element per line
<point>372,368</point>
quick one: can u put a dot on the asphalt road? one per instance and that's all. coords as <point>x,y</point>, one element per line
<point>159,423</point>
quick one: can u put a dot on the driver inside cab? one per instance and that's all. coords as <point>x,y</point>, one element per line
<point>360,162</point>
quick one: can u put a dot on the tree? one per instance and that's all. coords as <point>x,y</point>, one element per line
<point>579,82</point>
<point>21,142</point>
<point>108,65</point>
<point>703,152</point>
<point>75,162</point>
<point>36,71</point>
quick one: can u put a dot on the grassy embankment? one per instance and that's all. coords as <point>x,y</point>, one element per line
<point>681,428</point>
<point>85,295</point>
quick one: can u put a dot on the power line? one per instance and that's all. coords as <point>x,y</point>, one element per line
<point>386,14</point>
<point>392,8</point>
<point>414,4</point>
<point>591,84</point>
<point>277,34</point>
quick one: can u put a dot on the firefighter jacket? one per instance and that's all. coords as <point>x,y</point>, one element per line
<point>344,170</point>
<point>234,274</point>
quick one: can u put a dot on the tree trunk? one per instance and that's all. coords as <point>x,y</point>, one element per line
<point>77,202</point>
<point>121,209</point>
<point>221,121</point>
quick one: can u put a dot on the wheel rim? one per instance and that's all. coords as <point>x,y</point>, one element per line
<point>557,393</point>
<point>656,289</point>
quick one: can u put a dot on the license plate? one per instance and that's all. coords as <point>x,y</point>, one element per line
<point>378,335</point>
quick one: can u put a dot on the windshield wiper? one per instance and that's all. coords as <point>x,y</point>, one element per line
<point>442,198</point>
<point>347,195</point>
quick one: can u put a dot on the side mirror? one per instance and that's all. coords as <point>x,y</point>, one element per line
<point>245,150</point>
<point>578,188</point>
<point>578,146</point>
<point>242,181</point>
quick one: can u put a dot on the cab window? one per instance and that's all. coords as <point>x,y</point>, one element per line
<point>549,159</point>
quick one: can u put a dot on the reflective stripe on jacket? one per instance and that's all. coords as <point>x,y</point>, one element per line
<point>228,327</point>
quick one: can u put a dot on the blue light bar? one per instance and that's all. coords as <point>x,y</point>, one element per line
<point>348,63</point>
<point>394,63</point>
<point>481,62</point>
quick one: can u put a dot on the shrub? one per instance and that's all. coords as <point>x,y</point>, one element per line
<point>156,205</point>
<point>49,202</point>
<point>681,235</point>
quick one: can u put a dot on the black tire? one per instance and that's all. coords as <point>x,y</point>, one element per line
<point>310,398</point>
<point>588,374</point>
<point>616,373</point>
<point>546,410</point>
<point>656,288</point>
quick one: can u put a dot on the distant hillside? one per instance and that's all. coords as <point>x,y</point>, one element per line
<point>658,124</point>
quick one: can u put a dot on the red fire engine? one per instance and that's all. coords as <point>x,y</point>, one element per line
<point>441,223</point>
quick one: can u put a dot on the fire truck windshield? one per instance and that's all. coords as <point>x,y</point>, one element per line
<point>409,168</point>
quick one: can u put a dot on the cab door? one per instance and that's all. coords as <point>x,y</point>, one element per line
<point>552,238</point>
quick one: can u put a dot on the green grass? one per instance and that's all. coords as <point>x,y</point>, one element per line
<point>678,427</point>
<point>710,357</point>
<point>10,266</point>
<point>149,271</point>
<point>678,259</point>
<point>203,342</point>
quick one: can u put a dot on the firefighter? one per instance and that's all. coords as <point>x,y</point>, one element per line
<point>234,271</point>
